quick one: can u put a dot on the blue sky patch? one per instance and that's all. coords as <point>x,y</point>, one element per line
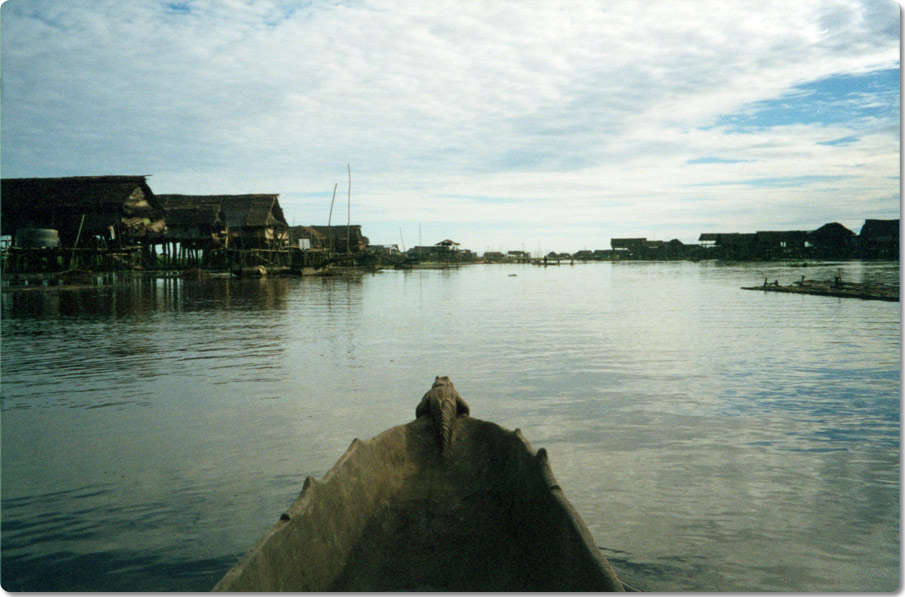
<point>180,7</point>
<point>714,160</point>
<point>791,181</point>
<point>840,141</point>
<point>489,199</point>
<point>774,182</point>
<point>836,99</point>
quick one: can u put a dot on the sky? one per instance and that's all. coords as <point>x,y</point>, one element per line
<point>502,125</point>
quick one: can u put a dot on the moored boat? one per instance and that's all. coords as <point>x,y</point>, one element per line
<point>397,512</point>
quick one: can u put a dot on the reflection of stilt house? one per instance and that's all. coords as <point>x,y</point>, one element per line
<point>242,229</point>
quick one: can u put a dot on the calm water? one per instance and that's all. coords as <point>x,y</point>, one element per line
<point>711,438</point>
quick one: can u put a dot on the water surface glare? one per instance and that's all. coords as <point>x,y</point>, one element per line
<point>711,438</point>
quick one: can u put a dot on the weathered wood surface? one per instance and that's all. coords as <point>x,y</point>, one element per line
<point>393,515</point>
<point>837,289</point>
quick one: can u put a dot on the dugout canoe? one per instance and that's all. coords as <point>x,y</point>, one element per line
<point>393,514</point>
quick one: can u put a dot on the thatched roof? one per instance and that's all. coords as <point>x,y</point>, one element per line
<point>778,236</point>
<point>832,230</point>
<point>81,194</point>
<point>338,234</point>
<point>60,203</point>
<point>236,211</point>
<point>628,243</point>
<point>622,241</point>
<point>338,230</point>
<point>182,212</point>
<point>880,229</point>
<point>297,232</point>
<point>728,238</point>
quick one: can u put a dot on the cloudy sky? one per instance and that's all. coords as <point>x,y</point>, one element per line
<point>524,124</point>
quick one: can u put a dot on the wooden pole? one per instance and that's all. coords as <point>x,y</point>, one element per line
<point>77,237</point>
<point>349,212</point>
<point>330,218</point>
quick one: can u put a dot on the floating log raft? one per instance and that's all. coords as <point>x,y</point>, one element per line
<point>837,287</point>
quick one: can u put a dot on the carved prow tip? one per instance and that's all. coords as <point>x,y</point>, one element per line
<point>309,483</point>
<point>443,405</point>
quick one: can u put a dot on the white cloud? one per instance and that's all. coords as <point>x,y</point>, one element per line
<point>592,109</point>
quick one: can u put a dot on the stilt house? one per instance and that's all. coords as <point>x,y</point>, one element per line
<point>879,239</point>
<point>336,236</point>
<point>781,244</point>
<point>299,236</point>
<point>119,210</point>
<point>832,241</point>
<point>230,221</point>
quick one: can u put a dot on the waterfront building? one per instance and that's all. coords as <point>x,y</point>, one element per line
<point>112,210</point>
<point>879,239</point>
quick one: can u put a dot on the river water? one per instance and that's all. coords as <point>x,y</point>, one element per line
<point>711,438</point>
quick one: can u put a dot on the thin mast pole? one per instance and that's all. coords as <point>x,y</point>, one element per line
<point>330,218</point>
<point>349,212</point>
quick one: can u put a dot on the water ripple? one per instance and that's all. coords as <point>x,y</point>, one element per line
<point>721,440</point>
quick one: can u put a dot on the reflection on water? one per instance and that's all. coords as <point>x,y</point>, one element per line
<point>711,438</point>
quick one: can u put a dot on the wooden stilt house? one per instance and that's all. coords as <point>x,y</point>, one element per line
<point>832,241</point>
<point>307,237</point>
<point>194,230</point>
<point>234,226</point>
<point>232,221</point>
<point>879,239</point>
<point>118,211</point>
<point>342,238</point>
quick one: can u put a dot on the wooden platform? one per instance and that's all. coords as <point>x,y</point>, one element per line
<point>840,289</point>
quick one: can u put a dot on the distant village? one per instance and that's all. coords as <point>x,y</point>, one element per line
<point>115,223</point>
